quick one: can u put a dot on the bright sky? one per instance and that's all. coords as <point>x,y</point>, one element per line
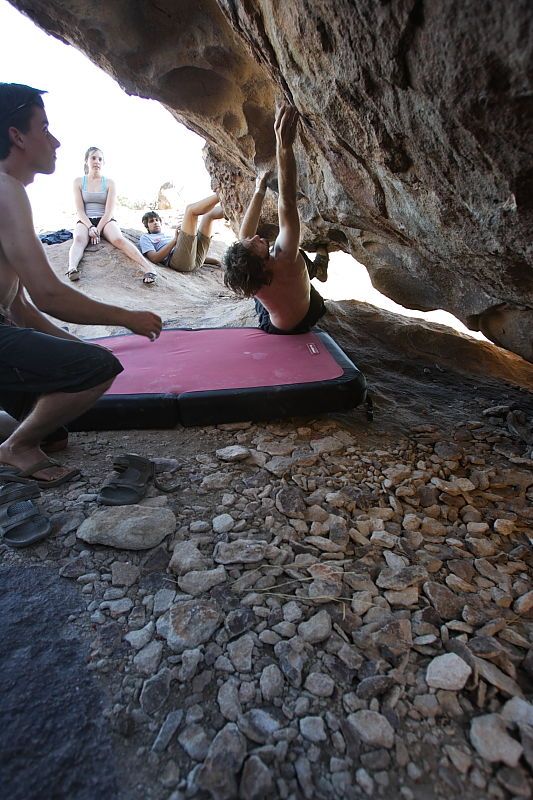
<point>143,144</point>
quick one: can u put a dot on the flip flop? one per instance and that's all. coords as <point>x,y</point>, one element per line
<point>21,522</point>
<point>73,274</point>
<point>131,485</point>
<point>15,475</point>
<point>149,278</point>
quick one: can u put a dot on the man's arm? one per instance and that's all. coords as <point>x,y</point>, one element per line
<point>25,255</point>
<point>288,239</point>
<point>157,256</point>
<point>253,212</point>
<point>26,315</point>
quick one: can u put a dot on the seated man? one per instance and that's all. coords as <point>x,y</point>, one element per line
<point>187,249</point>
<point>277,277</point>
<point>47,376</point>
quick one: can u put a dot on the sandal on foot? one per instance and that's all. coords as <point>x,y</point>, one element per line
<point>131,484</point>
<point>21,522</point>
<point>9,474</point>
<point>149,278</point>
<point>73,274</point>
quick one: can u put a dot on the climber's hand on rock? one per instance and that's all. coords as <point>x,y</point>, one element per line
<point>286,125</point>
<point>261,181</point>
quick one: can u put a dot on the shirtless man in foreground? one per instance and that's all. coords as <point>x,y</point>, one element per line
<point>47,376</point>
<point>277,277</point>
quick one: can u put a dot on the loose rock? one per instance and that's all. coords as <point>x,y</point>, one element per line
<point>489,736</point>
<point>191,623</point>
<point>373,728</point>
<point>128,527</point>
<point>448,672</point>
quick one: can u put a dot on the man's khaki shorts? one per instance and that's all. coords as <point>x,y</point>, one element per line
<point>190,252</point>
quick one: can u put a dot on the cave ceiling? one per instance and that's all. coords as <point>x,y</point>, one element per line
<point>414,153</point>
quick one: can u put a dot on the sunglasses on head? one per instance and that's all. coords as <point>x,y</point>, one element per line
<point>13,111</point>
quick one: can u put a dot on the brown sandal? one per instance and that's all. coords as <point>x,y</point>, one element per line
<point>131,484</point>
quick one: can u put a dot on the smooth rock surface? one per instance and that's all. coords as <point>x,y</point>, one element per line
<point>128,527</point>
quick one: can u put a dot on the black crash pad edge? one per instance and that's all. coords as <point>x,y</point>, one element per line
<point>126,412</point>
<point>212,407</point>
<point>268,403</point>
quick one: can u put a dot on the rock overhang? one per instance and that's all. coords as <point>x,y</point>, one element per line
<point>411,154</point>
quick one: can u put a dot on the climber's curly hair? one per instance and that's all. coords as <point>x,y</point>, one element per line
<point>244,272</point>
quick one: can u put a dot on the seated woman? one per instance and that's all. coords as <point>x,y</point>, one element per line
<point>95,197</point>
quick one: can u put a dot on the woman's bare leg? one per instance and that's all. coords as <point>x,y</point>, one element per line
<point>113,235</point>
<point>81,239</point>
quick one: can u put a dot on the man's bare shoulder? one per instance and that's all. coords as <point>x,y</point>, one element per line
<point>12,194</point>
<point>10,184</point>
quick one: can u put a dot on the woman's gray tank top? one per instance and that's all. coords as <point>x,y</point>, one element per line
<point>94,202</point>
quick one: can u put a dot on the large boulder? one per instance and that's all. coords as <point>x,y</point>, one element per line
<point>416,369</point>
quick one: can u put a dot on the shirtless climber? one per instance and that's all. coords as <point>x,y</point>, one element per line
<point>278,277</point>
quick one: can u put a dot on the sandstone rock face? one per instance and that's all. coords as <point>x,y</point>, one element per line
<point>414,115</point>
<point>401,358</point>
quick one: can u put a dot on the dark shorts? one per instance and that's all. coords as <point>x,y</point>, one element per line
<point>34,364</point>
<point>316,310</point>
<point>95,220</point>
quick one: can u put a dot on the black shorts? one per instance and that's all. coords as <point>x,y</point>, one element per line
<point>95,220</point>
<point>34,364</point>
<point>317,309</point>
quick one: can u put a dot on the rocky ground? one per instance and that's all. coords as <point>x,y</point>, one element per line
<point>319,608</point>
<point>308,614</point>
